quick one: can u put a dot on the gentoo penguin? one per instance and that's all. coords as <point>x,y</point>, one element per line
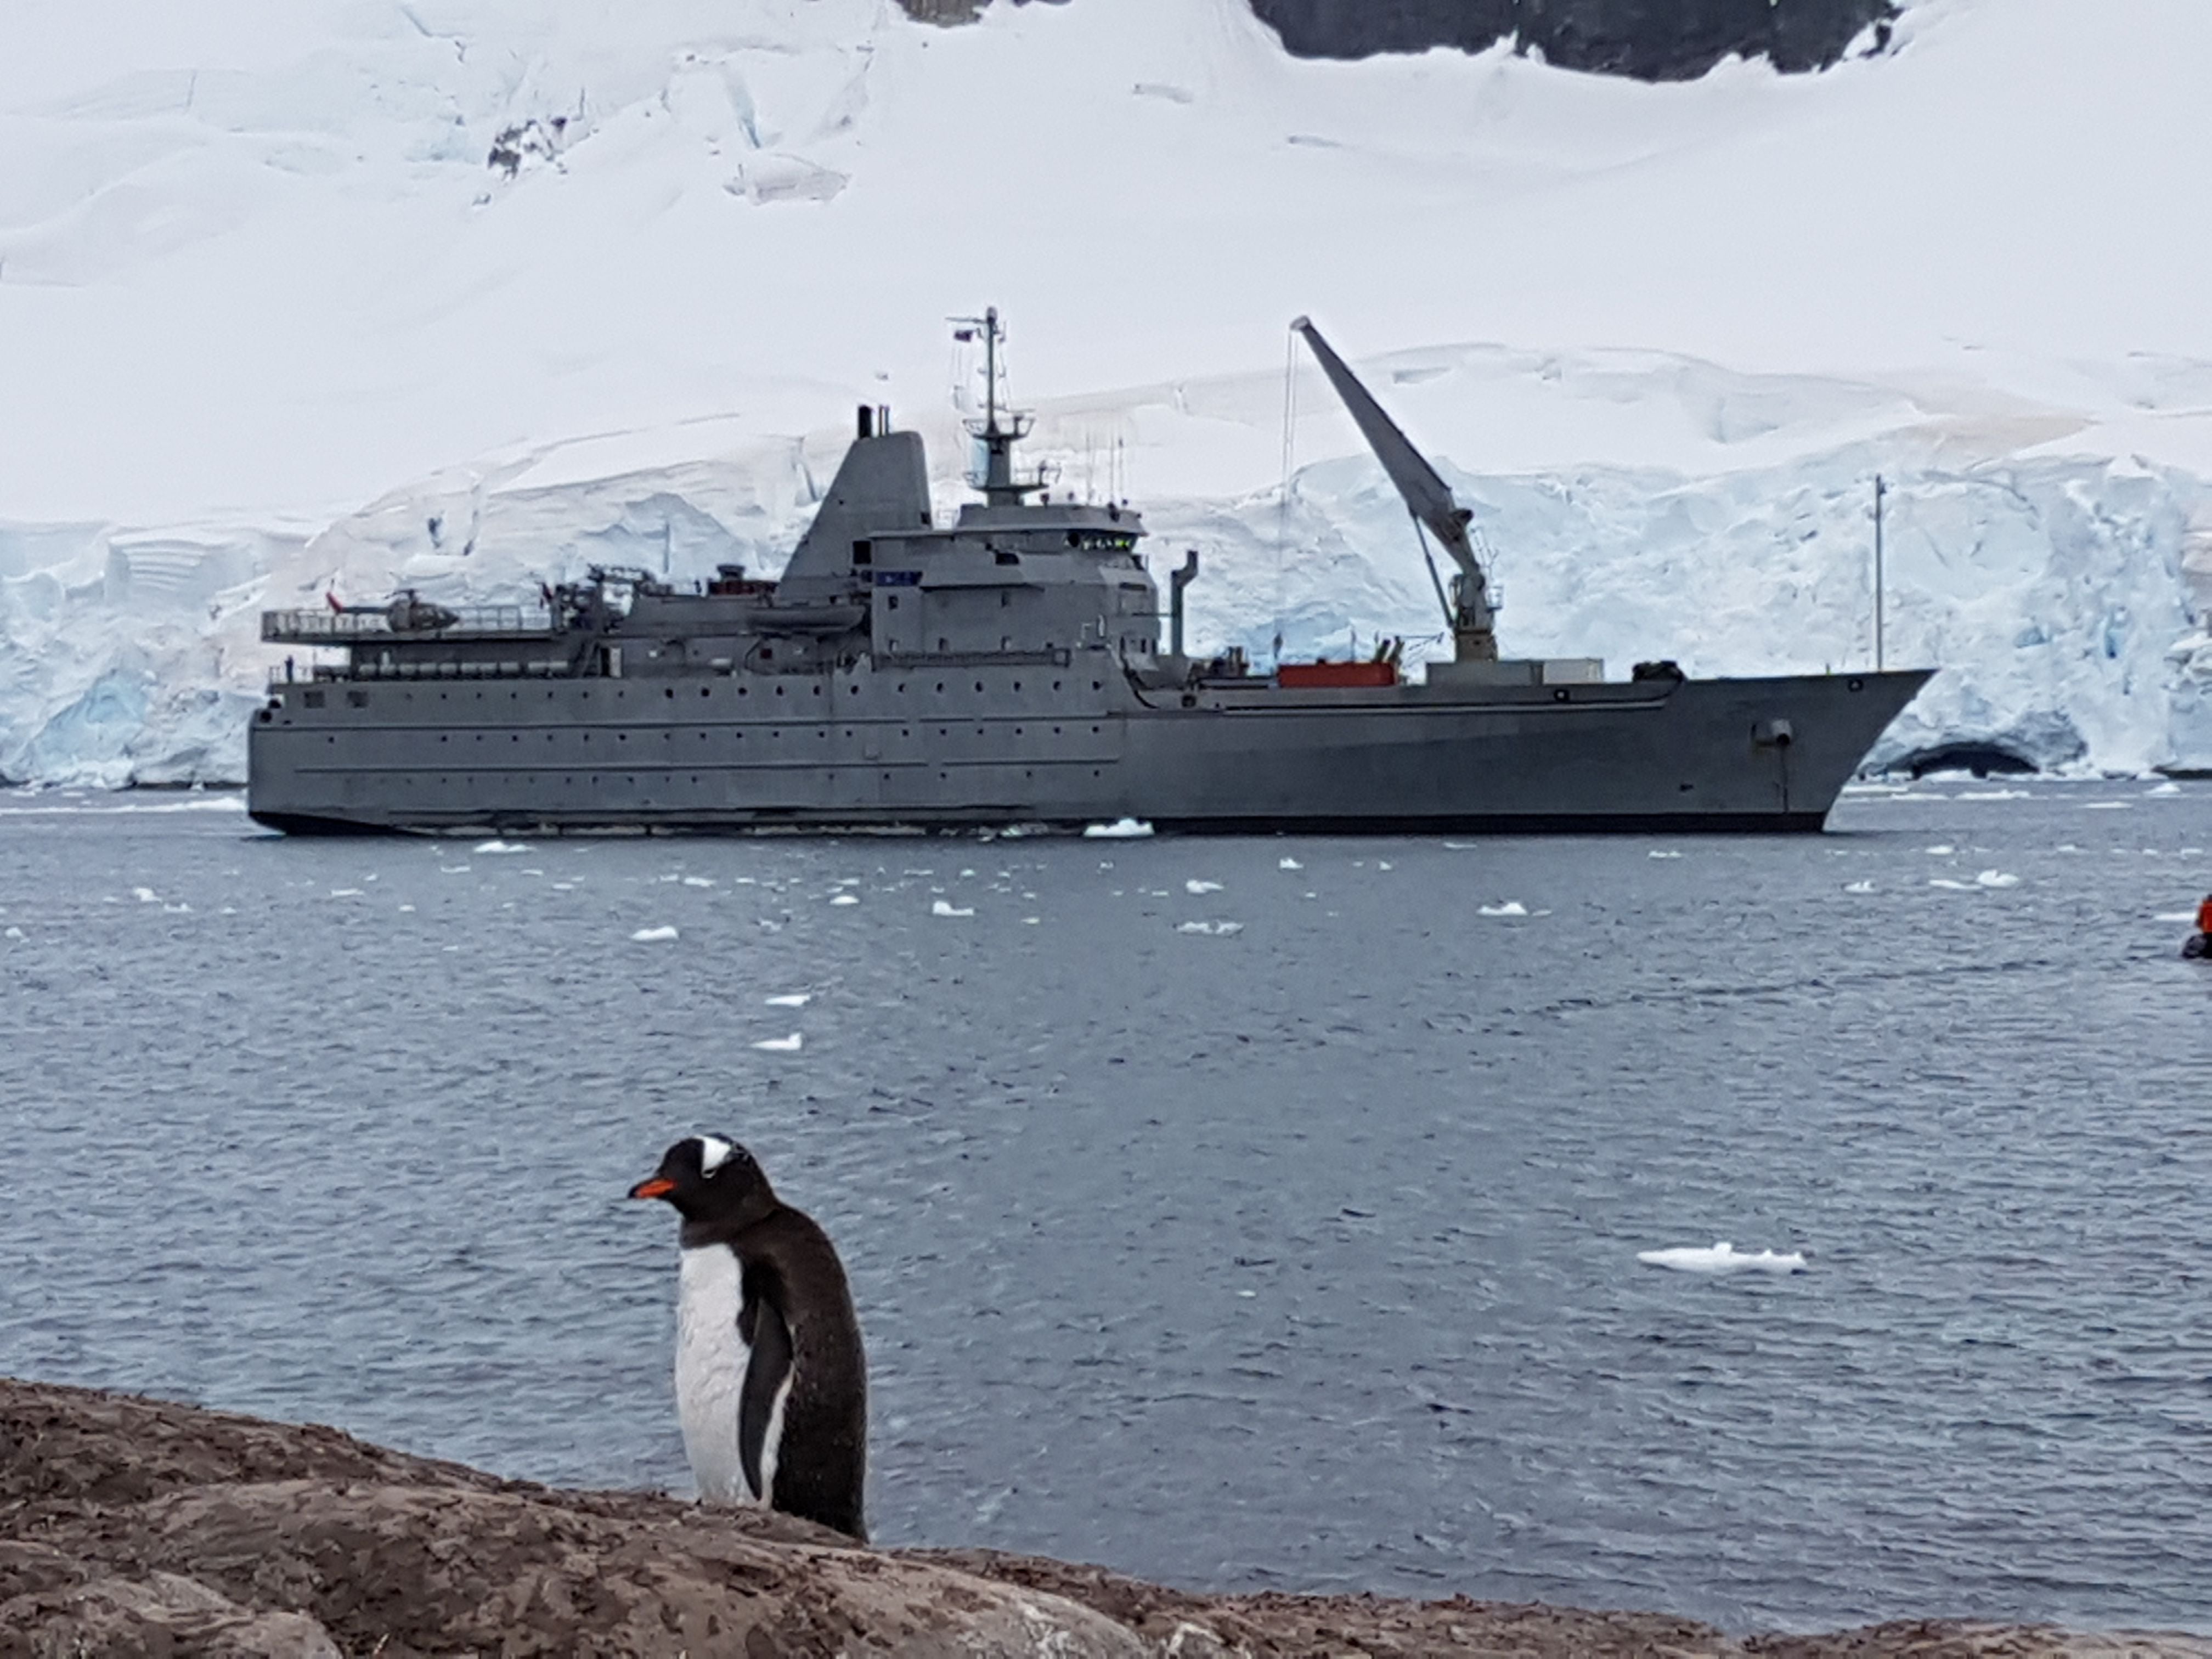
<point>771,1383</point>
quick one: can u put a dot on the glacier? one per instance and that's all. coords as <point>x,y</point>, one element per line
<point>337,296</point>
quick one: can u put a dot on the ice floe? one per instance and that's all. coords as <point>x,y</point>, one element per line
<point>782,1045</point>
<point>346,892</point>
<point>1510,907</point>
<point>2106,805</point>
<point>1942,850</point>
<point>844,898</point>
<point>1949,885</point>
<point>653,935</point>
<point>498,847</point>
<point>145,895</point>
<point>1722,1258</point>
<point>1120,830</point>
<point>1858,887</point>
<point>1212,929</point>
<point>946,908</point>
<point>1288,864</point>
<point>1996,879</point>
<point>1656,853</point>
<point>698,881</point>
<point>1195,887</point>
<point>14,932</point>
<point>2175,916</point>
<point>2169,788</point>
<point>790,999</point>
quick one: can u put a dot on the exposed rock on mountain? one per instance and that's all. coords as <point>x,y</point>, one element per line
<point>1650,40</point>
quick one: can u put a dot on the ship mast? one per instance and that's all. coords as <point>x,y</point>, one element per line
<point>998,483</point>
<point>1428,498</point>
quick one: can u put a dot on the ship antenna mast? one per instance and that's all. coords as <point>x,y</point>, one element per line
<point>998,483</point>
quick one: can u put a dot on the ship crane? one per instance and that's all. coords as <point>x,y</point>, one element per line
<point>1469,612</point>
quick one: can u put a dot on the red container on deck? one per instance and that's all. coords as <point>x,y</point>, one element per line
<point>1301,674</point>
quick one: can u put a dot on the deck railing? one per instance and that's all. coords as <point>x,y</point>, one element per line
<point>309,626</point>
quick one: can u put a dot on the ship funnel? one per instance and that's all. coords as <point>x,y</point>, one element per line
<point>868,421</point>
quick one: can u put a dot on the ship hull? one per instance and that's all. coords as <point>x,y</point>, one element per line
<point>974,745</point>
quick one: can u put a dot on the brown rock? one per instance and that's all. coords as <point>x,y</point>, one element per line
<point>131,1527</point>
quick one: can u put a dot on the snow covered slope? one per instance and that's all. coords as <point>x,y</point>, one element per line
<point>255,271</point>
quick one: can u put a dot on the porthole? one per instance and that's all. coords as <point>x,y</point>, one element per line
<point>1854,685</point>
<point>940,685</point>
<point>1559,696</point>
<point>779,691</point>
<point>979,685</point>
<point>706,690</point>
<point>669,692</point>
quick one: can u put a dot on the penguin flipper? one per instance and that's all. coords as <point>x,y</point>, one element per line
<point>760,1407</point>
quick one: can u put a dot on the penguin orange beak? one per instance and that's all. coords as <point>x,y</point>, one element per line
<point>659,1187</point>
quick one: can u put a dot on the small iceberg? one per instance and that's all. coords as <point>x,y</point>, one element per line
<point>784,1045</point>
<point>791,999</point>
<point>1948,885</point>
<point>2169,788</point>
<point>1196,888</point>
<point>688,881</point>
<point>653,935</point>
<point>346,892</point>
<point>145,895</point>
<point>1510,907</point>
<point>452,869</point>
<point>1212,929</point>
<point>498,847</point>
<point>1941,851</point>
<point>1722,1258</point>
<point>946,908</point>
<point>1288,864</point>
<point>844,898</point>
<point>1120,830</point>
<point>14,932</point>
<point>2105,806</point>
<point>1996,879</point>
<point>1858,887</point>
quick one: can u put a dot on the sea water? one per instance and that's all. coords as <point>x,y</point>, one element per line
<point>1250,1212</point>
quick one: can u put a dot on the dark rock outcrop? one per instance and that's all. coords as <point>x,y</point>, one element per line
<point>134,1528</point>
<point>1651,40</point>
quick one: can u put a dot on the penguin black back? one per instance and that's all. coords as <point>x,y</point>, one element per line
<point>792,1371</point>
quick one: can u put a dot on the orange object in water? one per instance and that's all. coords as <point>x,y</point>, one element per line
<point>1307,674</point>
<point>2204,917</point>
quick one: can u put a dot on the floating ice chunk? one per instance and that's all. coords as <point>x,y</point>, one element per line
<point>653,935</point>
<point>1949,885</point>
<point>946,908</point>
<point>14,932</point>
<point>1195,887</point>
<point>1381,864</point>
<point>1656,853</point>
<point>406,909</point>
<point>1722,1258</point>
<point>1120,830</point>
<point>1212,929</point>
<point>145,895</point>
<point>498,847</point>
<point>1993,794</point>
<point>564,886</point>
<point>791,999</point>
<point>1858,887</point>
<point>1996,879</point>
<point>1942,850</point>
<point>2106,805</point>
<point>345,892</point>
<point>1510,907</point>
<point>1288,864</point>
<point>844,898</point>
<point>1031,921</point>
<point>2169,788</point>
<point>698,881</point>
<point>2175,916</point>
<point>452,869</point>
<point>783,1045</point>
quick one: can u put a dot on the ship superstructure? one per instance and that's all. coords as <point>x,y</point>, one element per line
<point>1007,668</point>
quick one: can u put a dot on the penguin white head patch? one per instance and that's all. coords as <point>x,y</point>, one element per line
<point>714,1153</point>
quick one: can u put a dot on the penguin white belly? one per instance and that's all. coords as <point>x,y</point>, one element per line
<point>710,1372</point>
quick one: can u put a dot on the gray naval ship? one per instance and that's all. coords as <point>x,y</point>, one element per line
<point>1009,669</point>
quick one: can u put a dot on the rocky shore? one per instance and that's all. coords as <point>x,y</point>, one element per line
<point>135,1527</point>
